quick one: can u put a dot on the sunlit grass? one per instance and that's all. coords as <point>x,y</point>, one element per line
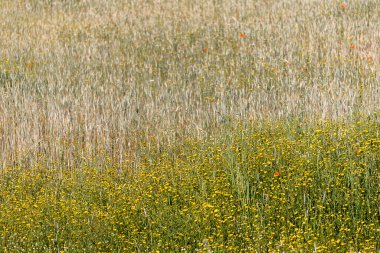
<point>189,126</point>
<point>94,77</point>
<point>273,188</point>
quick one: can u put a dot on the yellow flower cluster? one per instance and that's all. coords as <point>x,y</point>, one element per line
<point>271,188</point>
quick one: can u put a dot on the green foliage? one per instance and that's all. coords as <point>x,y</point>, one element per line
<point>269,188</point>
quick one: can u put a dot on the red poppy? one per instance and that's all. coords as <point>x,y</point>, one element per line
<point>29,65</point>
<point>276,173</point>
<point>242,35</point>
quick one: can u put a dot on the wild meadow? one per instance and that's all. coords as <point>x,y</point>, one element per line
<point>189,126</point>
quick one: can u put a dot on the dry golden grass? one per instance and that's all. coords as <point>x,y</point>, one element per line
<point>83,78</point>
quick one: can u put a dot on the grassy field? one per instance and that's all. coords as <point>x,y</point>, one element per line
<point>189,126</point>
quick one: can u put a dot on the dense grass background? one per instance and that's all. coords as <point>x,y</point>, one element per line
<point>90,77</point>
<point>208,126</point>
<point>268,189</point>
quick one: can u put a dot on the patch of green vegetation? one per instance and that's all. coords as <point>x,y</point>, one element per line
<point>276,187</point>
